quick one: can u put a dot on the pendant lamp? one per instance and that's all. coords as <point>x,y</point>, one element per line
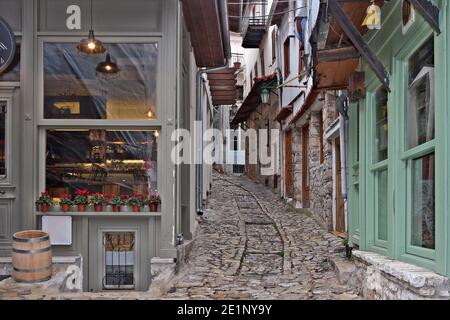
<point>91,45</point>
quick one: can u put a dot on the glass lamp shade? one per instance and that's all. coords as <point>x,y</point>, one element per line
<point>91,45</point>
<point>107,66</point>
<point>265,95</point>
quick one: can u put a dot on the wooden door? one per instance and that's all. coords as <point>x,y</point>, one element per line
<point>305,167</point>
<point>339,201</point>
<point>288,165</point>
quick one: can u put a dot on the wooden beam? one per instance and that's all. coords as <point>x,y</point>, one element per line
<point>359,43</point>
<point>429,12</point>
<point>339,54</point>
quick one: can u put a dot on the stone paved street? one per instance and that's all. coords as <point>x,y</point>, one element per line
<point>252,245</point>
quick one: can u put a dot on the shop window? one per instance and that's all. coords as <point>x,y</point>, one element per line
<point>420,129</point>
<point>381,125</point>
<point>12,73</point>
<point>99,160</point>
<point>420,108</point>
<point>423,204</point>
<point>73,89</point>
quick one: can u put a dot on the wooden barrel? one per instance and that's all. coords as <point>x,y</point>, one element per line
<point>32,256</point>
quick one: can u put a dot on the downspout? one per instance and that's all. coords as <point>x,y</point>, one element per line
<point>223,11</point>
<point>343,130</point>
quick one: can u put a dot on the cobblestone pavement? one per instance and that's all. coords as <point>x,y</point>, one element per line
<point>252,245</point>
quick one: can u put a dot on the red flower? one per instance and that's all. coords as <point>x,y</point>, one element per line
<point>82,192</point>
<point>124,196</point>
<point>66,196</point>
<point>44,194</point>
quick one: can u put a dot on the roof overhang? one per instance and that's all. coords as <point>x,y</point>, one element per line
<point>222,85</point>
<point>253,99</point>
<point>203,21</point>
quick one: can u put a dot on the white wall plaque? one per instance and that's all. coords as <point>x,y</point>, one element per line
<point>59,228</point>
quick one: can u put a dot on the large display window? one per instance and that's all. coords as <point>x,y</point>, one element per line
<point>74,89</point>
<point>98,160</point>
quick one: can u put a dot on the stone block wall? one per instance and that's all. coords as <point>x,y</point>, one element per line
<point>321,173</point>
<point>258,121</point>
<point>379,278</point>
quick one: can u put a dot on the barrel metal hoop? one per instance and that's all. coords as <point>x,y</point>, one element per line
<point>33,281</point>
<point>33,240</point>
<point>33,270</point>
<point>31,251</point>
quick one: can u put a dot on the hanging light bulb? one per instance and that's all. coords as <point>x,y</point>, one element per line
<point>156,133</point>
<point>91,45</point>
<point>107,66</point>
<point>150,113</point>
<point>373,18</point>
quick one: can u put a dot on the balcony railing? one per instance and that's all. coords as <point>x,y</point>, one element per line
<point>254,16</point>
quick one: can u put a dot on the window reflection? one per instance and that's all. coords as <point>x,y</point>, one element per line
<point>420,111</point>
<point>105,161</point>
<point>74,90</point>
<point>381,105</point>
<point>423,215</point>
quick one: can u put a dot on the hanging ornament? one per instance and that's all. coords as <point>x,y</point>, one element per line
<point>373,18</point>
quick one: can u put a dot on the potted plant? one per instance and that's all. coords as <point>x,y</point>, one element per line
<point>44,202</point>
<point>65,202</point>
<point>116,202</point>
<point>81,199</point>
<point>135,201</point>
<point>97,200</point>
<point>153,202</point>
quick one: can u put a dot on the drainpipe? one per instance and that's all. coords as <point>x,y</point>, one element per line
<point>343,130</point>
<point>199,107</point>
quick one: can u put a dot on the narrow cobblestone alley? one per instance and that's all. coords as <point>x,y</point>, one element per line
<point>252,245</point>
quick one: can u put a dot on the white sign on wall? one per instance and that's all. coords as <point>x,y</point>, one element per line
<point>59,228</point>
<point>73,22</point>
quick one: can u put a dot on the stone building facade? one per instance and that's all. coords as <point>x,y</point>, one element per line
<point>263,119</point>
<point>317,173</point>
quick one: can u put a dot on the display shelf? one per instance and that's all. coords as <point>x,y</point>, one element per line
<point>100,214</point>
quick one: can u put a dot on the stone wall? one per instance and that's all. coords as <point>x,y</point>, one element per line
<point>258,121</point>
<point>321,173</point>
<point>379,278</point>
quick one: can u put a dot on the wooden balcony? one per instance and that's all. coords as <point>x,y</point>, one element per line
<point>254,32</point>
